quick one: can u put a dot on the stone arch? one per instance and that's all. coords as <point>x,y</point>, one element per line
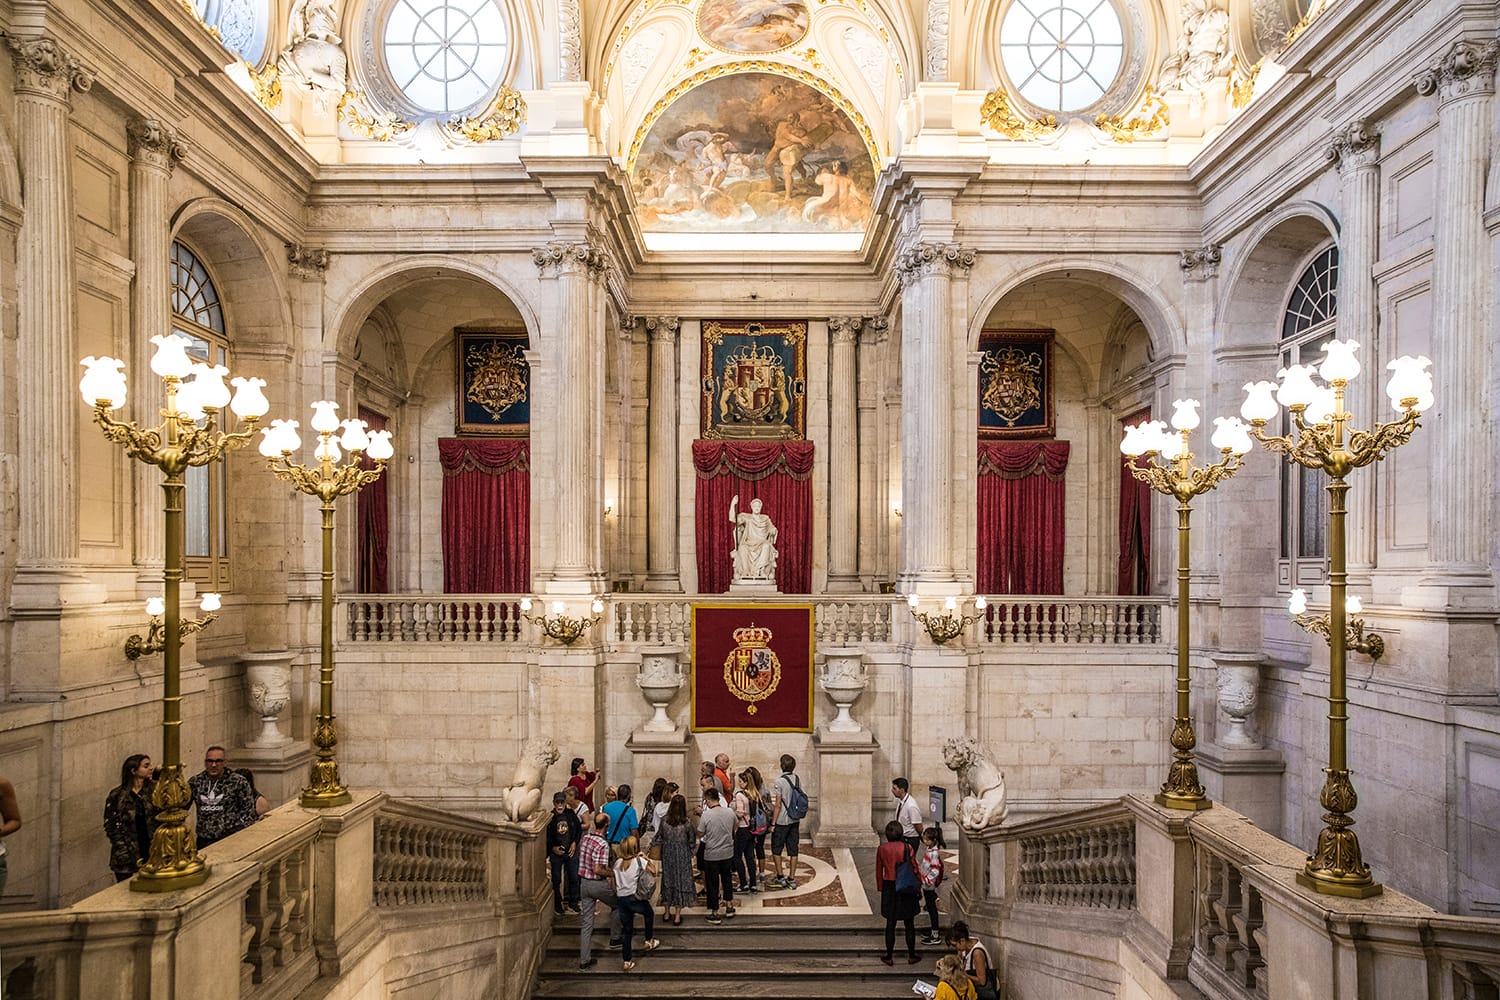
<point>254,294</point>
<point>1257,280</point>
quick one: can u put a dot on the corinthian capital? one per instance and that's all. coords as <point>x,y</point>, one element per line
<point>153,142</point>
<point>663,327</point>
<point>1465,70</point>
<point>926,258</point>
<point>564,257</point>
<point>1200,264</point>
<point>1354,145</point>
<point>42,67</point>
<point>845,329</point>
<point>307,262</point>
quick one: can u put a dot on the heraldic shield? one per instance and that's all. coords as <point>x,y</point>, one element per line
<point>752,667</point>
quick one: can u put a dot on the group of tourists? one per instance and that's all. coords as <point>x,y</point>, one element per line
<point>628,859</point>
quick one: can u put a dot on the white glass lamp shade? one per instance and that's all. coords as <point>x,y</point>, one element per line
<point>1340,365</point>
<point>951,604</point>
<point>355,438</point>
<point>1231,435</point>
<point>558,607</point>
<point>1320,409</point>
<point>526,605</point>
<point>210,602</point>
<point>249,402</point>
<point>911,600</point>
<point>171,358</point>
<point>325,416</point>
<point>380,449</point>
<point>269,446</point>
<point>156,607</point>
<point>1297,605</point>
<point>328,451</point>
<point>103,382</point>
<point>1185,414</point>
<point>1133,444</point>
<point>1353,605</point>
<point>597,607</point>
<point>190,401</point>
<point>288,440</point>
<point>1260,402</point>
<point>1157,437</point>
<point>980,604</point>
<point>1410,379</point>
<point>1170,447</point>
<point>212,391</point>
<point>1297,385</point>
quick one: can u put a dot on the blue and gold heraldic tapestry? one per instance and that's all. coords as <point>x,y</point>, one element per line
<point>752,668</point>
<point>494,383</point>
<point>754,380</point>
<point>1015,385</point>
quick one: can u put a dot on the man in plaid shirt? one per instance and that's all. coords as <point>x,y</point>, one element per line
<point>596,886</point>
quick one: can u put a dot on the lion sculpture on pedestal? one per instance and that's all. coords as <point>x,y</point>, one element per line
<point>981,786</point>
<point>523,796</point>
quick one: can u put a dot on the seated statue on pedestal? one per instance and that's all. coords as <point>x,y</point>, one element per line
<point>754,553</point>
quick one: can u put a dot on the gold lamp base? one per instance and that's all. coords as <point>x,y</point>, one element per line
<point>325,798</point>
<point>183,875</point>
<point>1173,800</point>
<point>1331,883</point>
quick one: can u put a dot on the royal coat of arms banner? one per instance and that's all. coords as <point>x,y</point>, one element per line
<point>1015,385</point>
<point>754,379</point>
<point>494,383</point>
<point>752,668</point>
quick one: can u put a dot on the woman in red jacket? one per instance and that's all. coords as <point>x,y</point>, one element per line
<point>895,905</point>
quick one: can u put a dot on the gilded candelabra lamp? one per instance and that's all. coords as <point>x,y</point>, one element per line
<point>188,436</point>
<point>1371,645</point>
<point>1170,470</point>
<point>1322,439</point>
<point>154,640</point>
<point>327,480</point>
<point>558,624</point>
<point>944,628</point>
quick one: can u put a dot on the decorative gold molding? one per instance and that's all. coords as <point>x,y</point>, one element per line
<point>811,57</point>
<point>1313,13</point>
<point>752,66</point>
<point>695,56</point>
<point>354,111</point>
<point>997,113</point>
<point>265,86</point>
<point>1150,120</point>
<point>504,116</point>
<point>1242,83</point>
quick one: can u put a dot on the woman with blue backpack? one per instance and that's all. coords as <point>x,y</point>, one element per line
<point>900,889</point>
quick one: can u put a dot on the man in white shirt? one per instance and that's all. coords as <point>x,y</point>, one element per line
<point>908,813</point>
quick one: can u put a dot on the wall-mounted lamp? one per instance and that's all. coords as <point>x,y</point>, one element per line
<point>896,509</point>
<point>1371,645</point>
<point>558,624</point>
<point>951,623</point>
<point>156,633</point>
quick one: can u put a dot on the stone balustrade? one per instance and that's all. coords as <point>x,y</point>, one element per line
<point>1051,621</point>
<point>1087,866</point>
<point>421,859</point>
<point>429,618</point>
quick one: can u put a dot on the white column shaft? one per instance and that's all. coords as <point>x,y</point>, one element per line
<point>843,455</point>
<point>661,461</point>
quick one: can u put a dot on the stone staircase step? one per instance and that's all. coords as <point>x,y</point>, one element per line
<point>772,981</point>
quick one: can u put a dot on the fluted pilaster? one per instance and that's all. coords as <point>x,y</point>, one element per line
<point>575,267</point>
<point>1355,150</point>
<point>45,78</point>
<point>662,570</point>
<point>927,272</point>
<point>1459,533</point>
<point>154,152</point>
<point>843,455</point>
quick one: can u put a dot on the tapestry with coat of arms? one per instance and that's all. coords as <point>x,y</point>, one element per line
<point>752,668</point>
<point>754,380</point>
<point>1015,385</point>
<point>494,383</point>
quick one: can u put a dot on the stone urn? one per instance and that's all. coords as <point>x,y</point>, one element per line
<point>268,691</point>
<point>1239,690</point>
<point>660,678</point>
<point>843,679</point>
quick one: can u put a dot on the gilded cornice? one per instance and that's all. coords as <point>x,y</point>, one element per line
<point>307,262</point>
<point>1202,263</point>
<point>566,258</point>
<point>151,141</point>
<point>504,116</point>
<point>926,258</point>
<point>1151,119</point>
<point>1465,70</point>
<point>997,113</point>
<point>1355,145</point>
<point>42,67</point>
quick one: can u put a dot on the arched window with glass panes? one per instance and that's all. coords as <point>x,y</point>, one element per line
<point>198,315</point>
<point>1309,322</point>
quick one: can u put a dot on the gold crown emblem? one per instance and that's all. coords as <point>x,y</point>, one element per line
<point>752,636</point>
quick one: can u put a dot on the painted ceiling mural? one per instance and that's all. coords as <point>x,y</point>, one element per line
<point>753,153</point>
<point>753,26</point>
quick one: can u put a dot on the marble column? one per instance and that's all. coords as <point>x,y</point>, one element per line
<point>1459,530</point>
<point>154,152</point>
<point>843,456</point>
<point>575,267</point>
<point>662,571</point>
<point>45,77</point>
<point>1355,150</point>
<point>874,490</point>
<point>926,272</point>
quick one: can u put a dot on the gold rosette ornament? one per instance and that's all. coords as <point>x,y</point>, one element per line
<point>752,670</point>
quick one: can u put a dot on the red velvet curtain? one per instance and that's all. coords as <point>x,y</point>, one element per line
<point>372,515</point>
<point>1135,526</point>
<point>779,474</point>
<point>486,515</point>
<point>1021,529</point>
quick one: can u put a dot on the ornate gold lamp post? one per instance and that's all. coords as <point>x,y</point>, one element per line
<point>187,436</point>
<point>1322,439</point>
<point>328,480</point>
<point>1170,470</point>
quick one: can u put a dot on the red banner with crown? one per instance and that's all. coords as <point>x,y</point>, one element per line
<point>752,668</point>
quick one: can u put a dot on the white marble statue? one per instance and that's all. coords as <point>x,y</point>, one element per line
<point>315,52</point>
<point>523,796</point>
<point>981,786</point>
<point>754,552</point>
<point>1202,50</point>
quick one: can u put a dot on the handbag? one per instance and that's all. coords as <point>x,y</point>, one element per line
<point>907,883</point>
<point>645,883</point>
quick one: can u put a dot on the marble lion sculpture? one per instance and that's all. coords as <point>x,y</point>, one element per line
<point>523,796</point>
<point>981,786</point>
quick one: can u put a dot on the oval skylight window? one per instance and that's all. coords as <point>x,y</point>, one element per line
<point>1062,55</point>
<point>445,55</point>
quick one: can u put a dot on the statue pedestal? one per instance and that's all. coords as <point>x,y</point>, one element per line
<point>754,588</point>
<point>845,775</point>
<point>660,755</point>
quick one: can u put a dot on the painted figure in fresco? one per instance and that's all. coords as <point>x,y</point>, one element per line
<point>841,202</point>
<point>754,552</point>
<point>788,149</point>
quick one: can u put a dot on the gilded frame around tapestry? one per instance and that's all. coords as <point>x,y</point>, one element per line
<point>493,394</point>
<point>1015,384</point>
<point>754,380</point>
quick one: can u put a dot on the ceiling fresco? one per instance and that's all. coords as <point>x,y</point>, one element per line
<point>754,26</point>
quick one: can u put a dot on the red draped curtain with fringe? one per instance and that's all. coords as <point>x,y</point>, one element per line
<point>1135,526</point>
<point>486,515</point>
<point>371,513</point>
<point>1021,517</point>
<point>779,474</point>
